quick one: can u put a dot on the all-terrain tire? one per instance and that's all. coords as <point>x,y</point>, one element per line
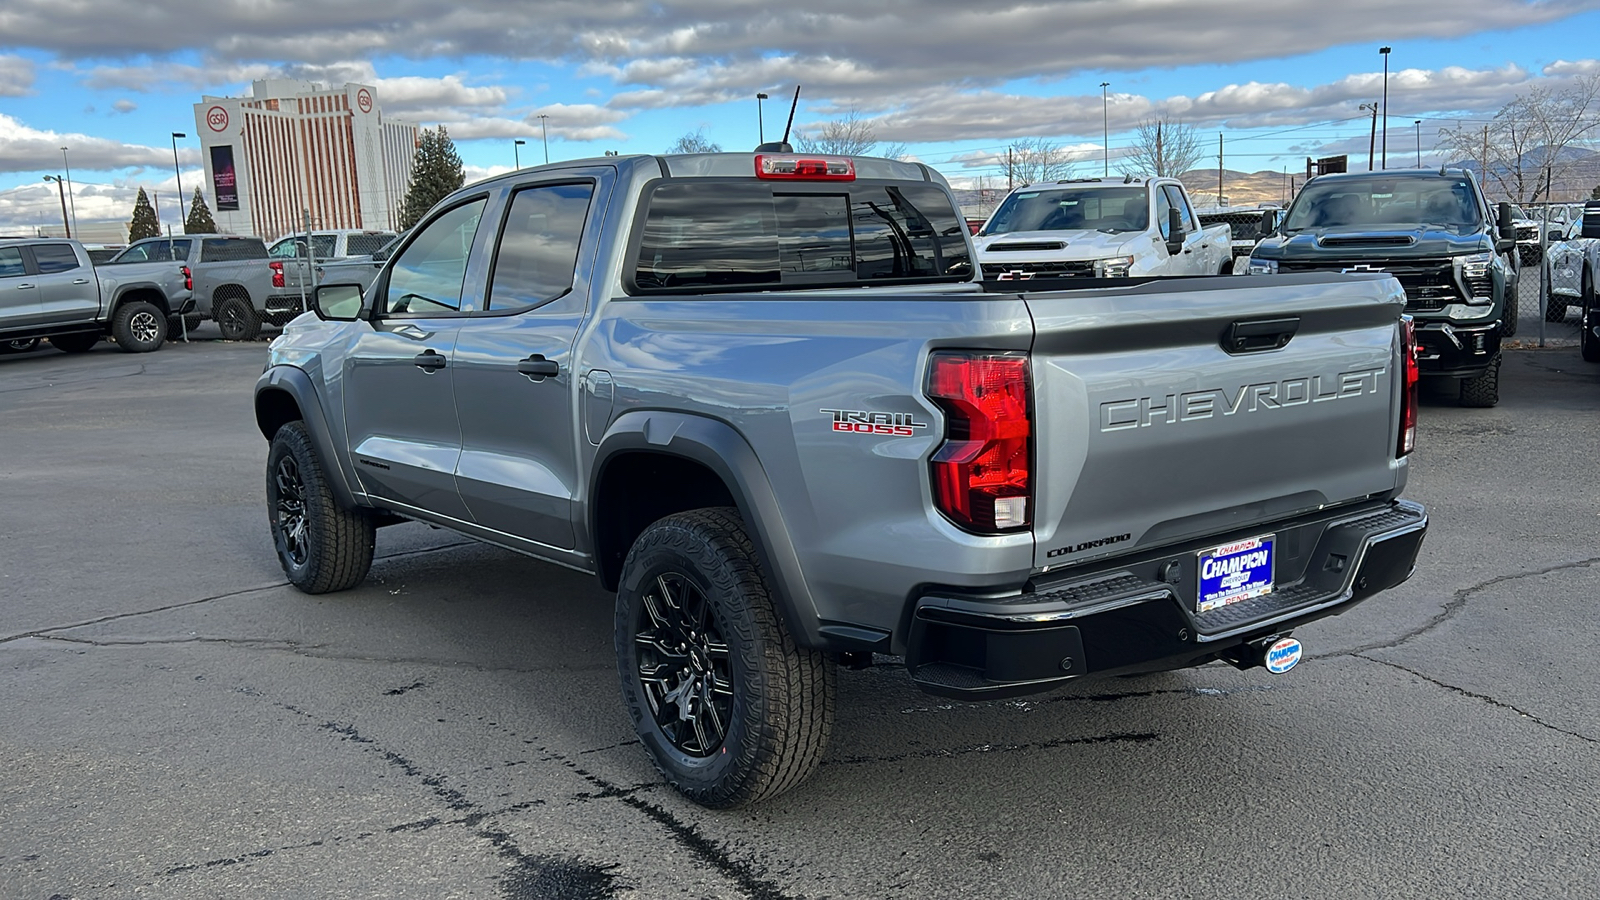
<point>77,342</point>
<point>1483,391</point>
<point>1587,342</point>
<point>321,546</point>
<point>1555,309</point>
<point>237,320</point>
<point>139,327</point>
<point>19,345</point>
<point>760,708</point>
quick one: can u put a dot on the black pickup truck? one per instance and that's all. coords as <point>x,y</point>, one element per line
<point>1433,230</point>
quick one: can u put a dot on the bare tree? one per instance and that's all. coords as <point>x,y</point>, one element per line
<point>1163,147</point>
<point>1031,160</point>
<point>695,142</point>
<point>1524,150</point>
<point>850,135</point>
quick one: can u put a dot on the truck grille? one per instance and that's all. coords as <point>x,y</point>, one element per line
<point>1528,233</point>
<point>1429,286</point>
<point>1243,223</point>
<point>1025,246</point>
<point>1367,240</point>
<point>1083,268</point>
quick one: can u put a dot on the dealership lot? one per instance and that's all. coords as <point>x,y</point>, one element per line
<point>181,723</point>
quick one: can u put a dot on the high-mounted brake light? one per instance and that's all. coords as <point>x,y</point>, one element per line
<point>277,274</point>
<point>1410,377</point>
<point>188,278</point>
<point>982,473</point>
<point>798,167</point>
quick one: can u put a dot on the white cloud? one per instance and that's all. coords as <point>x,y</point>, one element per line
<point>16,76</point>
<point>124,106</point>
<point>27,149</point>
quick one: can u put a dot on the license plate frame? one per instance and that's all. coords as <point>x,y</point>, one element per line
<point>1221,583</point>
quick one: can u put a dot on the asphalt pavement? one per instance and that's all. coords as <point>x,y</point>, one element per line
<point>179,723</point>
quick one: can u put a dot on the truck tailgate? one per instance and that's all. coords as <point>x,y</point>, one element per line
<point>1150,432</point>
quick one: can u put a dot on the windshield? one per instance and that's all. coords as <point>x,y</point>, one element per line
<point>1517,213</point>
<point>1110,210</point>
<point>1382,200</point>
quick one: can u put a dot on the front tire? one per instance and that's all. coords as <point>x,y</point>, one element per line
<point>1555,309</point>
<point>139,327</point>
<point>729,707</point>
<point>1587,342</point>
<point>237,320</point>
<point>321,546</point>
<point>1483,391</point>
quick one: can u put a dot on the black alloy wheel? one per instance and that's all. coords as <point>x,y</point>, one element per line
<point>290,512</point>
<point>20,345</point>
<point>683,665</point>
<point>237,320</point>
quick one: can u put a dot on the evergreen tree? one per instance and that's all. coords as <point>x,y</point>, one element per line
<point>435,174</point>
<point>144,223</point>
<point>199,221</point>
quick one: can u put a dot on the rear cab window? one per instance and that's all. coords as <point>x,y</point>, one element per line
<point>53,258</point>
<point>231,249</point>
<point>706,235</point>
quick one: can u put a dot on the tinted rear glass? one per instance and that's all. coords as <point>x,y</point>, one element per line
<point>365,244</point>
<point>53,258</point>
<point>709,235</point>
<point>227,249</point>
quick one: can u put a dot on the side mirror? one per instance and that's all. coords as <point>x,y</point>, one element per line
<point>1504,220</point>
<point>1591,219</point>
<point>338,302</point>
<point>1269,223</point>
<point>1174,230</point>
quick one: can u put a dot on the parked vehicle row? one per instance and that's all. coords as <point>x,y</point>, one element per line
<point>50,290</point>
<point>772,404</point>
<point>1574,264</point>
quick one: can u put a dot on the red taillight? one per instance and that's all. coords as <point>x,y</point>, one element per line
<point>805,168</point>
<point>277,273</point>
<point>1410,376</point>
<point>982,473</point>
<point>188,278</point>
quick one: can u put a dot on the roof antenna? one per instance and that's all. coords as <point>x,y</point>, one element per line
<point>783,145</point>
<point>1127,178</point>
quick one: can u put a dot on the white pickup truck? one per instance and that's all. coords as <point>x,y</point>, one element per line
<point>1100,228</point>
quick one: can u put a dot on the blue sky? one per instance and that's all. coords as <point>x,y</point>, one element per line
<point>953,82</point>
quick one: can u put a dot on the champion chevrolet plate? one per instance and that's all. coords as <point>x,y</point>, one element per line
<point>1234,572</point>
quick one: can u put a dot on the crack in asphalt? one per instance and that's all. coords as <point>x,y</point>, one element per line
<point>49,631</point>
<point>1454,606</point>
<point>1501,704</point>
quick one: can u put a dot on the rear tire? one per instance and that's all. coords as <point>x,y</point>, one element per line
<point>1587,342</point>
<point>20,345</point>
<point>1482,392</point>
<point>79,342</point>
<point>729,707</point>
<point>1555,309</point>
<point>238,320</point>
<point>321,546</point>
<point>139,327</point>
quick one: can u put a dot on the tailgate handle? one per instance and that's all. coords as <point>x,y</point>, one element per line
<point>1266,334</point>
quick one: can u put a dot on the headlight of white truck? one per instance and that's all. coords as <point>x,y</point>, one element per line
<point>1263,266</point>
<point>1115,267</point>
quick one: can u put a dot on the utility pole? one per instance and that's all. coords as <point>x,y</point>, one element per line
<point>1418,123</point>
<point>545,135</point>
<point>1105,125</point>
<point>1219,169</point>
<point>62,194</point>
<point>516,156</point>
<point>1385,52</point>
<point>761,125</point>
<point>71,200</point>
<point>1372,141</point>
<point>183,216</point>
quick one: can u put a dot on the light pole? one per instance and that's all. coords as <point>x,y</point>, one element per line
<point>761,128</point>
<point>516,156</point>
<point>63,194</point>
<point>1372,141</point>
<point>545,136</point>
<point>73,201</point>
<point>1385,52</point>
<point>1418,123</point>
<point>183,216</point>
<point>1105,130</point>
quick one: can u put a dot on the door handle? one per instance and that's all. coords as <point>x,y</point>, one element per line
<point>24,287</point>
<point>429,361</point>
<point>537,368</point>
<point>80,281</point>
<point>1266,334</point>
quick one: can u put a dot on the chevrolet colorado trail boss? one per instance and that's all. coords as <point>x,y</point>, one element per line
<point>1100,228</point>
<point>1435,232</point>
<point>765,401</point>
<point>50,289</point>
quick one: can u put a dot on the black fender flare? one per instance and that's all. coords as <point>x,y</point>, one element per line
<point>294,383</point>
<point>166,306</point>
<point>717,446</point>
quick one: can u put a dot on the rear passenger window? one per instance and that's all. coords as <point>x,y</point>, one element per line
<point>366,244</point>
<point>428,278</point>
<point>178,251</point>
<point>52,258</point>
<point>707,235</point>
<point>231,249</point>
<point>538,252</point>
<point>11,262</point>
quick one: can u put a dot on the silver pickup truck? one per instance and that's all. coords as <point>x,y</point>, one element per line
<point>763,399</point>
<point>234,281</point>
<point>50,289</point>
